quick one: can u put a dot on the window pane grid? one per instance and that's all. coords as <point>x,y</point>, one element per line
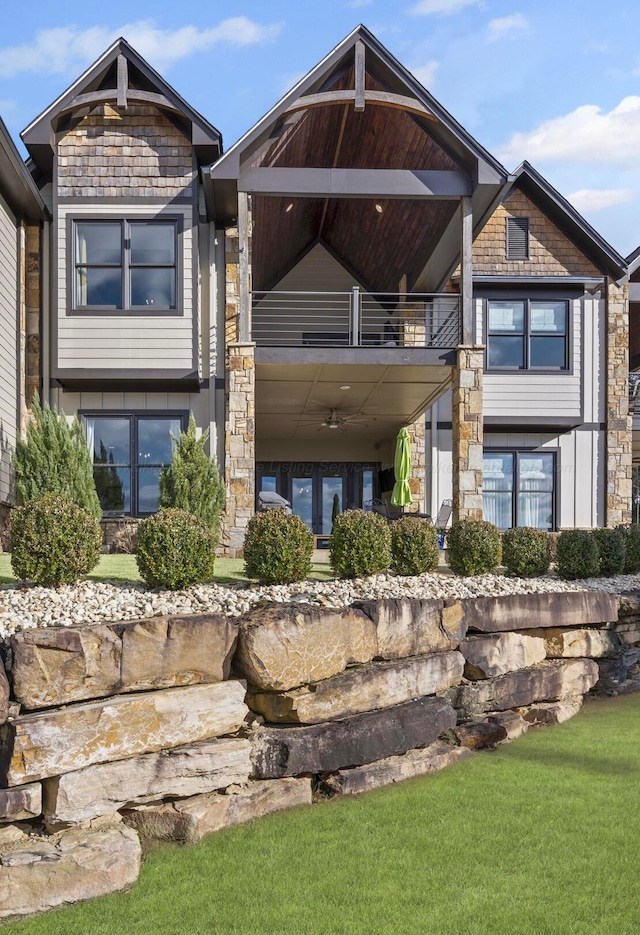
<point>518,489</point>
<point>527,334</point>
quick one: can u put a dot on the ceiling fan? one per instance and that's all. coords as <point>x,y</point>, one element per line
<point>334,420</point>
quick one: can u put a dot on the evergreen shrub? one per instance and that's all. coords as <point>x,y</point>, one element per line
<point>631,535</point>
<point>474,547</point>
<point>192,481</point>
<point>174,550</point>
<point>577,554</point>
<point>277,548</point>
<point>526,551</point>
<point>54,459</point>
<point>53,541</point>
<point>360,544</point>
<point>611,550</point>
<point>414,546</point>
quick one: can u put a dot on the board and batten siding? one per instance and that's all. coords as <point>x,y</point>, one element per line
<point>576,394</point>
<point>8,345</point>
<point>121,341</point>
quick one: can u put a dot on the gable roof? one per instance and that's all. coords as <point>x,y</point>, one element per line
<point>559,210</point>
<point>38,136</point>
<point>633,261</point>
<point>16,184</point>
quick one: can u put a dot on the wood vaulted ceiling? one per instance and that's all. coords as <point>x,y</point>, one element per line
<point>378,248</point>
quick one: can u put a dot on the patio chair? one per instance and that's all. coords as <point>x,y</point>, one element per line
<point>444,515</point>
<point>269,500</point>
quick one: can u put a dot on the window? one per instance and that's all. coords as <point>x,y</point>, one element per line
<point>124,264</point>
<point>517,238</point>
<point>527,334</point>
<point>129,451</point>
<point>518,488</point>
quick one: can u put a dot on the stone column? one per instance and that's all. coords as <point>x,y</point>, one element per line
<point>239,467</point>
<point>619,420</point>
<point>467,432</point>
<point>417,479</point>
<point>33,377</point>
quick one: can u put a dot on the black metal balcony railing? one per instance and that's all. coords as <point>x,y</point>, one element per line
<point>355,319</point>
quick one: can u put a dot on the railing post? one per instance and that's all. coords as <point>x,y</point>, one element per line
<point>355,316</point>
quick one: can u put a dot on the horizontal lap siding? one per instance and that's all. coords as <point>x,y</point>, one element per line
<point>8,345</point>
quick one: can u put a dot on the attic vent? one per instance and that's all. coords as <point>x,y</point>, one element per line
<point>517,238</point>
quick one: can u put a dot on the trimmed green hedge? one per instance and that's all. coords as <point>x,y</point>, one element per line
<point>277,548</point>
<point>526,551</point>
<point>577,554</point>
<point>474,547</point>
<point>174,550</point>
<point>360,544</point>
<point>414,546</point>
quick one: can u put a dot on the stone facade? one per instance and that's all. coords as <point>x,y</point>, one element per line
<point>120,154</point>
<point>239,468</point>
<point>467,430</point>
<point>417,435</point>
<point>550,251</point>
<point>33,376</point>
<point>619,454</point>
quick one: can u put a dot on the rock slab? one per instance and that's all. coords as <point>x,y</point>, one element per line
<point>51,743</point>
<point>553,712</point>
<point>488,656</point>
<point>354,741</point>
<point>191,819</point>
<point>545,609</point>
<point>59,665</point>
<point>413,627</point>
<point>182,771</point>
<point>566,644</point>
<point>378,685</point>
<point>548,681</point>
<point>392,769</point>
<point>21,803</point>
<point>41,873</point>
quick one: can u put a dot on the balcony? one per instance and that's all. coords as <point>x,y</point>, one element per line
<point>356,319</point>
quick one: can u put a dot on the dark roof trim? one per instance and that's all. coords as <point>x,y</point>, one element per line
<point>16,184</point>
<point>576,227</point>
<point>633,261</point>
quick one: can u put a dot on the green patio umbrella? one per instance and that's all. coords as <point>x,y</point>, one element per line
<point>401,495</point>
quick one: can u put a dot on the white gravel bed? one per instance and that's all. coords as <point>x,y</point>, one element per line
<point>96,602</point>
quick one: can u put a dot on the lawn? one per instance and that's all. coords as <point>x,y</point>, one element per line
<point>124,568</point>
<point>537,838</point>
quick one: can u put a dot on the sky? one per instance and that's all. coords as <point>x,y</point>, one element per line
<point>556,82</point>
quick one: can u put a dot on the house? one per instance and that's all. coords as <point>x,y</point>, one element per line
<point>356,262</point>
<point>633,262</point>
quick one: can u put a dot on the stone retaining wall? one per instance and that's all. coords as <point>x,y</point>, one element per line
<point>171,728</point>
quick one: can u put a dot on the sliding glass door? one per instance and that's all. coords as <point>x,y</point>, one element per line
<point>518,488</point>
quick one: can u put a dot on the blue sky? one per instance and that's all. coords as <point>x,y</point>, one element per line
<point>553,81</point>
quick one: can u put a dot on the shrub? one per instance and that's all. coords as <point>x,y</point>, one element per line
<point>611,550</point>
<point>192,481</point>
<point>577,554</point>
<point>526,551</point>
<point>474,547</point>
<point>54,459</point>
<point>53,541</point>
<point>360,544</point>
<point>632,548</point>
<point>175,549</point>
<point>414,546</point>
<point>277,548</point>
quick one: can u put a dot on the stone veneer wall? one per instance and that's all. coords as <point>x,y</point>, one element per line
<point>240,432</point>
<point>467,433</point>
<point>33,300</point>
<point>137,152</point>
<point>417,434</point>
<point>619,420</point>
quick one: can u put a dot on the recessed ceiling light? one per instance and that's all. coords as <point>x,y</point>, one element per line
<point>345,386</point>
<point>378,208</point>
<point>289,207</point>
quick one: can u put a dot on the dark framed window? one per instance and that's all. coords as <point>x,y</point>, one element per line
<point>527,334</point>
<point>517,238</point>
<point>125,265</point>
<point>129,450</point>
<point>518,488</point>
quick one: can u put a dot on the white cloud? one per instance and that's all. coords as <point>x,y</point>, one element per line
<point>67,49</point>
<point>443,7</point>
<point>426,74</point>
<point>586,135</point>
<point>595,199</point>
<point>505,26</point>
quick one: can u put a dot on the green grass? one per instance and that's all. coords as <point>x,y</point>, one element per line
<point>538,838</point>
<point>124,568</point>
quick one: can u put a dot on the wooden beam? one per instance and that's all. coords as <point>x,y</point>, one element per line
<point>359,79</point>
<point>123,82</point>
<point>355,183</point>
<point>466,269</point>
<point>376,98</point>
<point>111,94</point>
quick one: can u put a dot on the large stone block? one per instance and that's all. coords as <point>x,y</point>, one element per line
<point>378,685</point>
<point>354,741</point>
<point>412,627</point>
<point>553,712</point>
<point>613,673</point>
<point>488,656</point>
<point>546,609</point>
<point>565,644</point>
<point>82,863</point>
<point>628,632</point>
<point>191,819</point>
<point>548,681</point>
<point>183,771</point>
<point>392,769</point>
<point>281,646</point>
<point>4,695</point>
<point>51,743</point>
<point>21,803</point>
<point>58,665</point>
